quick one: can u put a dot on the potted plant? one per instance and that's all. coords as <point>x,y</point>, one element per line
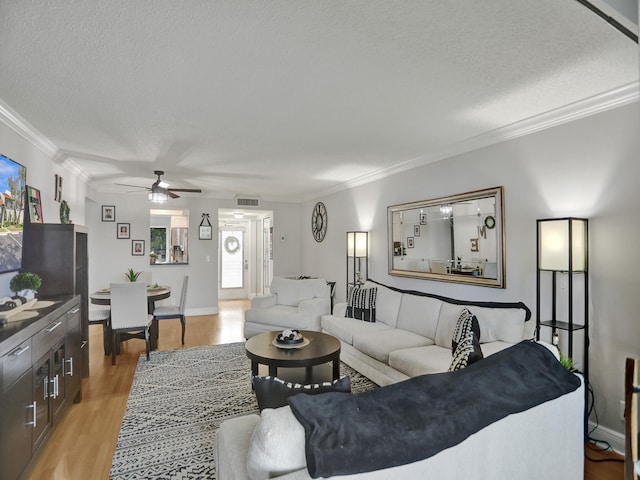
<point>132,275</point>
<point>153,256</point>
<point>26,283</point>
<point>567,362</point>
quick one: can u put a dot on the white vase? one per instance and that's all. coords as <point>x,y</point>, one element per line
<point>28,294</point>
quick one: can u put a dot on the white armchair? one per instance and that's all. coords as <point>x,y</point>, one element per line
<point>292,304</point>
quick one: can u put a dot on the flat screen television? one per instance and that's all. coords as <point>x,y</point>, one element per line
<point>13,177</point>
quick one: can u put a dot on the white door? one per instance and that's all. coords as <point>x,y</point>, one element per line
<point>233,263</point>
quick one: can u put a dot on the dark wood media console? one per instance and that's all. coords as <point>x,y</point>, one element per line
<point>40,369</point>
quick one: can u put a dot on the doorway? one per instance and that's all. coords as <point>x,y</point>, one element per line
<point>245,253</point>
<point>233,262</point>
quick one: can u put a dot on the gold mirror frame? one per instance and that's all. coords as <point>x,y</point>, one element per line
<point>459,238</point>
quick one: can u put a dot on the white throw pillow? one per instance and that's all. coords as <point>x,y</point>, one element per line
<point>277,445</point>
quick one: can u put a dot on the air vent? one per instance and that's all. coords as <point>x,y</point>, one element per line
<point>247,202</point>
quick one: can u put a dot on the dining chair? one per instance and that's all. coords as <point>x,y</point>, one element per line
<point>165,312</point>
<point>102,317</point>
<point>129,316</point>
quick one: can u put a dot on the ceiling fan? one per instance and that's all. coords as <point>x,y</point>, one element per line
<point>160,192</point>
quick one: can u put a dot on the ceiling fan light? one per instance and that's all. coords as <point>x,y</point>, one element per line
<point>158,197</point>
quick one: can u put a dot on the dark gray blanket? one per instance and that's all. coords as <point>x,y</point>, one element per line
<point>415,419</point>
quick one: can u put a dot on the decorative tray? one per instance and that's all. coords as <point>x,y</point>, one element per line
<point>10,313</point>
<point>304,343</point>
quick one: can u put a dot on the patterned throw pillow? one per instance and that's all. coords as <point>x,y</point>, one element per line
<point>272,392</point>
<point>361,303</point>
<point>466,342</point>
<point>466,321</point>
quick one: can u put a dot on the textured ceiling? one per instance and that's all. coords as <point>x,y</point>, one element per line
<point>287,100</point>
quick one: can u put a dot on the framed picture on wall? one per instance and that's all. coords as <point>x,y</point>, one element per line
<point>423,218</point>
<point>416,230</point>
<point>35,206</point>
<point>108,213</point>
<point>137,247</point>
<point>409,242</point>
<point>205,232</point>
<point>123,230</point>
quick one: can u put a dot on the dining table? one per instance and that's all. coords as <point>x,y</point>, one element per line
<point>154,294</point>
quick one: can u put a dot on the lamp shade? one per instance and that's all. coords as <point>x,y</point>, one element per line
<point>357,244</point>
<point>560,240</point>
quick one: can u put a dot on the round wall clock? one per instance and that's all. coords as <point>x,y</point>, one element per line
<point>319,221</point>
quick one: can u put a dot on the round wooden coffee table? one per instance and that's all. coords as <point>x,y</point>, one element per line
<point>322,348</point>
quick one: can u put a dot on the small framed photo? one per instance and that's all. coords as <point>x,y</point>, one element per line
<point>423,219</point>
<point>35,205</point>
<point>137,247</point>
<point>409,242</point>
<point>416,230</point>
<point>123,230</point>
<point>108,213</point>
<point>205,232</point>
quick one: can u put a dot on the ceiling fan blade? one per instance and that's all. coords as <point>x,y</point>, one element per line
<point>172,195</point>
<point>192,190</point>
<point>134,186</point>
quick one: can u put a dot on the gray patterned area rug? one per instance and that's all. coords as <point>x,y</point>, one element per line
<point>176,404</point>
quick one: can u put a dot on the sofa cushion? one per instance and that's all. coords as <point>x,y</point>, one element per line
<point>468,346</point>
<point>291,292</point>
<point>387,304</point>
<point>277,445</point>
<point>466,321</point>
<point>504,324</point>
<point>272,392</point>
<point>379,345</point>
<point>345,328</point>
<point>494,347</point>
<point>282,315</point>
<point>361,303</point>
<point>421,360</point>
<point>419,315</point>
<point>449,314</point>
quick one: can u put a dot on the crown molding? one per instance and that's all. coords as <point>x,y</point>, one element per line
<point>619,97</point>
<point>23,128</point>
<point>599,103</point>
<point>15,122</point>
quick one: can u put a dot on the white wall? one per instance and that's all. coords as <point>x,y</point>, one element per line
<point>110,258</point>
<point>41,171</point>
<point>587,168</point>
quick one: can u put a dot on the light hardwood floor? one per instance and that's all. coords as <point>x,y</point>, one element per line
<point>82,445</point>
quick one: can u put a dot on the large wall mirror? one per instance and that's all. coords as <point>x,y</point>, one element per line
<point>459,238</point>
<point>169,237</point>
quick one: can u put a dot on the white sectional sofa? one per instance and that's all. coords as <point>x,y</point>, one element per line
<point>544,440</point>
<point>412,332</point>
<point>411,337</point>
<point>292,303</point>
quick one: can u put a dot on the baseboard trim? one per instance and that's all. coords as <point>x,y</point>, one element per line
<point>613,438</point>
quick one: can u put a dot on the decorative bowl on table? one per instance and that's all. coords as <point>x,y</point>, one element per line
<point>289,337</point>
